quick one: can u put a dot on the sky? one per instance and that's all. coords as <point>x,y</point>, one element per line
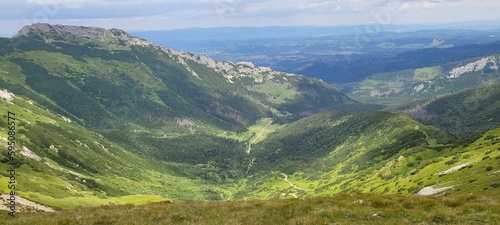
<point>143,15</point>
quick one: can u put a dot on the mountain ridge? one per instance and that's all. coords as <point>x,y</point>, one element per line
<point>104,119</point>
<point>220,91</point>
<point>176,111</point>
<point>81,31</point>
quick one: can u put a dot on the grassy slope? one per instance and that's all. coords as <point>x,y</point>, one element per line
<point>464,114</point>
<point>340,209</point>
<point>323,154</point>
<point>140,102</point>
<point>133,87</point>
<point>336,152</point>
<point>81,167</point>
<point>391,154</point>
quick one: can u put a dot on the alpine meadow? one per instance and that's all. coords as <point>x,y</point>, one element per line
<point>99,126</point>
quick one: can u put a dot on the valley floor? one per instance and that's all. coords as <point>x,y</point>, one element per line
<point>345,208</point>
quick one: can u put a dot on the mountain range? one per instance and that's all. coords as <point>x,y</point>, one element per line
<point>106,117</point>
<point>337,55</point>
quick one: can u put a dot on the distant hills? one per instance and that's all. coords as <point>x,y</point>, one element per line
<point>360,67</point>
<point>339,55</point>
<point>425,82</point>
<point>179,36</point>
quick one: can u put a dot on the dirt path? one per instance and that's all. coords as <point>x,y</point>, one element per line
<point>23,204</point>
<point>257,137</point>
<point>292,185</point>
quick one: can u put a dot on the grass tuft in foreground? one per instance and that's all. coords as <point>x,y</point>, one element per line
<point>346,208</point>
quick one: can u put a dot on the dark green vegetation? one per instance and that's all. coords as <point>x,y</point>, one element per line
<point>464,114</point>
<point>105,83</point>
<point>370,152</point>
<point>63,164</point>
<point>108,118</point>
<point>93,101</point>
<point>347,208</point>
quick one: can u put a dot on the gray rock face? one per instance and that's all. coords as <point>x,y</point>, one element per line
<point>93,33</point>
<point>116,38</point>
<point>478,65</point>
<point>229,69</point>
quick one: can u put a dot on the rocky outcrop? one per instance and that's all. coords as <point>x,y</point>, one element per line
<point>229,69</point>
<point>92,33</point>
<point>6,96</point>
<point>29,154</point>
<point>474,66</point>
<point>453,169</point>
<point>57,33</point>
<point>431,190</point>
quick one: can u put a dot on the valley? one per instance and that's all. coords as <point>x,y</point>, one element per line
<point>109,123</point>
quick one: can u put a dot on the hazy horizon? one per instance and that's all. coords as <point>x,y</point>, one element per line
<point>141,15</point>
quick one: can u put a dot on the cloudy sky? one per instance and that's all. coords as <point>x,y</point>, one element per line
<point>135,15</point>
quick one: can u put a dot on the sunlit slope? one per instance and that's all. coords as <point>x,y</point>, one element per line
<point>129,117</point>
<point>370,152</point>
<point>63,164</point>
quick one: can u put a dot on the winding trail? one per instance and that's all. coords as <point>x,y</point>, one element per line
<point>257,137</point>
<point>250,164</point>
<point>292,185</point>
<point>23,204</point>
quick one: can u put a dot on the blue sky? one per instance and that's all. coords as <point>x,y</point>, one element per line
<point>135,15</point>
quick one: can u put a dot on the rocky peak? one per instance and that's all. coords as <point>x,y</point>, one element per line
<point>229,69</point>
<point>94,33</point>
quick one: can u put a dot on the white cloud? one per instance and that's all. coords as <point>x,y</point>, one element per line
<point>404,6</point>
<point>425,5</point>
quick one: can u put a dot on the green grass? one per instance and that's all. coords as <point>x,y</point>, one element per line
<point>339,209</point>
<point>387,102</point>
<point>122,173</point>
<point>275,92</point>
<point>144,155</point>
<point>380,159</point>
<point>90,200</point>
<point>369,84</point>
<point>109,170</point>
<point>10,72</point>
<point>255,133</point>
<point>428,73</point>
